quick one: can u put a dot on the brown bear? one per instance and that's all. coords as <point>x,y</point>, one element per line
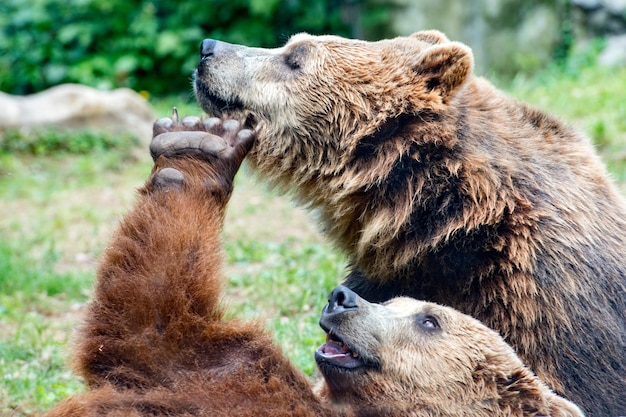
<point>155,341</point>
<point>440,187</point>
<point>413,358</point>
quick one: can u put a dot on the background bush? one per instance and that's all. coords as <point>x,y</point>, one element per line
<point>149,45</point>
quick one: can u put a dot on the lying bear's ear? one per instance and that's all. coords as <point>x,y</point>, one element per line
<point>445,68</point>
<point>433,37</point>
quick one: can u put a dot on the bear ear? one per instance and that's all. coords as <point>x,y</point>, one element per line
<point>445,68</point>
<point>433,37</point>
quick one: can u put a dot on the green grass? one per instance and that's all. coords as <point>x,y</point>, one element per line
<point>184,103</point>
<point>20,272</point>
<point>51,141</point>
<point>593,99</point>
<point>58,209</point>
<point>34,300</point>
<point>290,280</point>
<point>33,351</point>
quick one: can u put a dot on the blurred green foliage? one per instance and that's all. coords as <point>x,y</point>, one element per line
<point>149,45</point>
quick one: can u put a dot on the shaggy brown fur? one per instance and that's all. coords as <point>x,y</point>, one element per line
<point>154,341</point>
<point>440,187</point>
<point>412,358</point>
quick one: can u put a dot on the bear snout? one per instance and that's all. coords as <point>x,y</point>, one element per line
<point>211,48</point>
<point>207,48</point>
<point>341,300</point>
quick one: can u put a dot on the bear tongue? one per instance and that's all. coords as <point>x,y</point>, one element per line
<point>338,353</point>
<point>332,348</point>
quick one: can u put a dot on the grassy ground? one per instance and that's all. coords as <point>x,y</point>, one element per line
<point>58,211</point>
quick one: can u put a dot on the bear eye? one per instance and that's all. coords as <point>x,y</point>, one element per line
<point>427,322</point>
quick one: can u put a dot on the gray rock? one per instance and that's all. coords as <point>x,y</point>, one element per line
<point>598,20</point>
<point>78,107</point>
<point>617,7</point>
<point>614,53</point>
<point>506,36</point>
<point>587,4</point>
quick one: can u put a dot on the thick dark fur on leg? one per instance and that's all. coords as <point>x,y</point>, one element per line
<point>154,341</point>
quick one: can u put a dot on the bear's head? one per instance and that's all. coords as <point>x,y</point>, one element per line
<point>338,118</point>
<point>320,96</point>
<point>409,357</point>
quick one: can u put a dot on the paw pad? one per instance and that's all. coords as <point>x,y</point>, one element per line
<point>168,178</point>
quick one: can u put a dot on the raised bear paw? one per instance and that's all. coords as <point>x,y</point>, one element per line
<point>218,147</point>
<point>207,139</point>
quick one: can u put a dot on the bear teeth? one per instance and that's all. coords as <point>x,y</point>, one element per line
<point>333,338</point>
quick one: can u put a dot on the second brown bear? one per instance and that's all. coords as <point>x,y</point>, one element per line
<point>155,341</point>
<point>440,187</point>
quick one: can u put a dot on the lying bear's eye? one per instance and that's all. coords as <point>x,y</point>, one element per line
<point>427,322</point>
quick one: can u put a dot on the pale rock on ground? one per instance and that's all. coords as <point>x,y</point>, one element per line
<point>78,107</point>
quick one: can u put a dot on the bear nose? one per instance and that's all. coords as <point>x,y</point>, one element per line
<point>207,48</point>
<point>341,299</point>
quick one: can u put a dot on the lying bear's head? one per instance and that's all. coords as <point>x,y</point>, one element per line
<point>408,357</point>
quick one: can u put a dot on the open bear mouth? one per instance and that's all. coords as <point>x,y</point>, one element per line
<point>335,352</point>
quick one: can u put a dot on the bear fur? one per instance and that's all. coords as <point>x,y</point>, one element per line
<point>155,341</point>
<point>440,187</point>
<point>413,358</point>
